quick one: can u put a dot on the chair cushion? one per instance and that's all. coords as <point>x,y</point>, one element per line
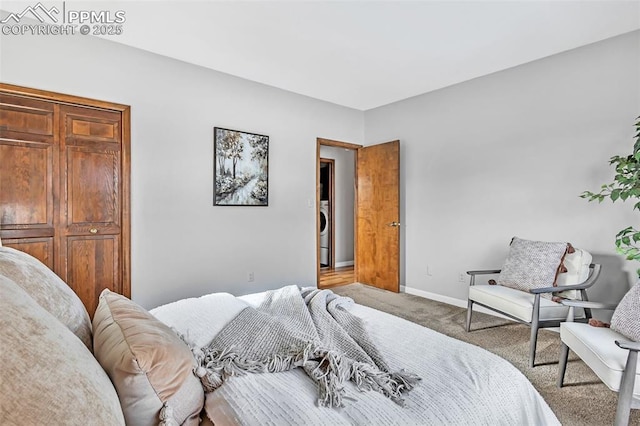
<point>531,264</point>
<point>596,347</point>
<point>626,317</point>
<point>516,303</point>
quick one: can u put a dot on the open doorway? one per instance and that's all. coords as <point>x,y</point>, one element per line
<point>327,213</point>
<point>336,212</point>
<point>376,214</point>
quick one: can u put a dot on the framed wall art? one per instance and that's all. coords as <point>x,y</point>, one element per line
<point>241,168</point>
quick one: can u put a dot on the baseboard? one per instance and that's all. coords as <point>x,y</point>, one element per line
<point>449,300</point>
<point>343,264</point>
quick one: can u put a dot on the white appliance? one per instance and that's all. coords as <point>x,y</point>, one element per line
<point>325,231</point>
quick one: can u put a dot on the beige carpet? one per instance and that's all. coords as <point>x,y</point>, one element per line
<point>583,401</point>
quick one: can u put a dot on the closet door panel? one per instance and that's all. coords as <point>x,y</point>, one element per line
<point>26,178</point>
<point>28,162</point>
<point>40,248</point>
<point>26,119</point>
<point>92,190</point>
<point>84,125</point>
<point>92,266</point>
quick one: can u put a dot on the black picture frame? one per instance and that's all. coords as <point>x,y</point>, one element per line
<point>241,168</point>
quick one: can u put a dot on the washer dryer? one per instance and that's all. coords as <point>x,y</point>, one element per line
<point>325,231</point>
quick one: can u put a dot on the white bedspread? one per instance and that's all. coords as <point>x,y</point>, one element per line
<point>461,384</point>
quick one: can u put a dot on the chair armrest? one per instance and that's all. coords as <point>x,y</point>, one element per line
<point>632,346</point>
<point>484,272</point>
<point>588,305</point>
<point>472,280</point>
<point>548,289</point>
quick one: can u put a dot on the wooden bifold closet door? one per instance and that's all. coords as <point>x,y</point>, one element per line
<point>64,187</point>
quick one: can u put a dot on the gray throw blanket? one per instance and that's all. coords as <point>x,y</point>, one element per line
<point>306,328</point>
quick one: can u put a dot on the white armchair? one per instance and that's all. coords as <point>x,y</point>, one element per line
<point>608,353</point>
<point>527,306</point>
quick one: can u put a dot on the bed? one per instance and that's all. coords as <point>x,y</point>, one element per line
<point>130,366</point>
<point>461,383</point>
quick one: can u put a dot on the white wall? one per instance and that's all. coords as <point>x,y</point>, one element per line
<point>482,161</point>
<point>344,200</point>
<point>181,244</point>
<point>508,154</point>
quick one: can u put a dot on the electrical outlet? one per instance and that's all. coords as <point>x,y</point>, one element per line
<point>463,277</point>
<point>251,277</point>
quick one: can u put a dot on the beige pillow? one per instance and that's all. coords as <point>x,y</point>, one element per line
<point>46,288</point>
<point>48,375</point>
<point>148,363</point>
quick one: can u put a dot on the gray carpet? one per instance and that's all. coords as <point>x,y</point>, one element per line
<point>584,400</point>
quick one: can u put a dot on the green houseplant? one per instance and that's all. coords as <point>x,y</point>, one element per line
<point>625,186</point>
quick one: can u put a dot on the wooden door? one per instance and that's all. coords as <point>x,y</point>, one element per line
<point>90,225</point>
<point>378,216</point>
<point>28,160</point>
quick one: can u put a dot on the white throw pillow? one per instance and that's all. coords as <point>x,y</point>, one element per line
<point>577,265</point>
<point>200,319</point>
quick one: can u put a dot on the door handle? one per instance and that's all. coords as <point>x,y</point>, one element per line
<point>394,224</point>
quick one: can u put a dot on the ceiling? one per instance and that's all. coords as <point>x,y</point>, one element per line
<point>363,54</point>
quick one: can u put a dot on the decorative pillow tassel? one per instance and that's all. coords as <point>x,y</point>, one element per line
<point>597,323</point>
<point>166,416</point>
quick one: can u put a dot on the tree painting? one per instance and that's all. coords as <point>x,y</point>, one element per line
<point>241,163</point>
